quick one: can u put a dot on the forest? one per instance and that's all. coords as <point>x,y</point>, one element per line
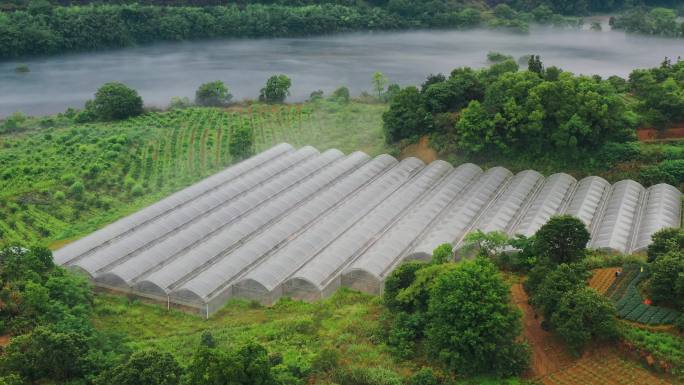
<point>39,27</point>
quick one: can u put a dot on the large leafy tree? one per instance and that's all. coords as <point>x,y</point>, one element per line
<point>407,116</point>
<point>563,239</point>
<point>584,315</point>
<point>115,101</point>
<point>472,326</point>
<point>555,284</point>
<point>667,278</point>
<point>665,241</point>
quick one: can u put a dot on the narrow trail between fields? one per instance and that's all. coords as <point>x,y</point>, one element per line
<point>420,150</point>
<point>548,352</point>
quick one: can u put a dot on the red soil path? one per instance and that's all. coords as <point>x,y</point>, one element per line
<point>651,134</point>
<point>420,150</point>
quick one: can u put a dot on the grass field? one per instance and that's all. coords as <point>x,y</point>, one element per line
<point>348,322</point>
<point>63,182</point>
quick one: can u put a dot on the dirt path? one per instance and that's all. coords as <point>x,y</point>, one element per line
<point>4,340</point>
<point>548,353</point>
<point>420,150</point>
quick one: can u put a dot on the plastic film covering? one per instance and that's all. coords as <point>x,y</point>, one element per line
<point>174,201</point>
<point>261,282</point>
<point>391,246</point>
<point>505,209</point>
<point>616,229</point>
<point>320,276</point>
<point>457,220</point>
<point>175,220</point>
<point>166,249</point>
<point>215,246</point>
<point>663,210</point>
<point>586,202</point>
<point>548,202</point>
<point>218,276</point>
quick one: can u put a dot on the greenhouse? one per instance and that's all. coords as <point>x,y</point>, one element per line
<point>301,223</point>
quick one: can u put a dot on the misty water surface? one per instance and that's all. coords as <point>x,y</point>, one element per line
<point>161,71</point>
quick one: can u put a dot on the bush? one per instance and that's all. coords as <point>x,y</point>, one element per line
<point>664,242</point>
<point>366,376</point>
<point>325,361</point>
<point>115,101</point>
<point>241,142</point>
<point>442,254</point>
<point>178,103</point>
<point>213,94</point>
<point>341,94</point>
<point>13,123</point>
<point>400,278</point>
<point>406,117</point>
<point>148,367</point>
<point>425,376</point>
<point>555,284</point>
<point>276,90</point>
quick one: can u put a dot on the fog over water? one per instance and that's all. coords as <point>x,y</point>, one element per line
<point>162,71</point>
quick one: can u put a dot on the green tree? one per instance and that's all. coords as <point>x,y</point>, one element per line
<point>341,94</point>
<point>443,253</point>
<point>472,326</point>
<point>276,90</point>
<point>564,278</point>
<point>379,83</point>
<point>148,367</point>
<point>535,65</point>
<point>485,244</point>
<point>213,94</point>
<point>115,101</point>
<point>667,278</point>
<point>399,279</point>
<point>406,117</point>
<point>665,241</point>
<point>583,315</point>
<point>46,354</point>
<point>241,142</point>
<point>563,239</point>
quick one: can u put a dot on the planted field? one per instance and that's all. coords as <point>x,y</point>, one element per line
<point>60,183</point>
<point>630,304</point>
<point>604,367</point>
<point>602,279</point>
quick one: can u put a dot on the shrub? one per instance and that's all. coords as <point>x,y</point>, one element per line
<point>664,242</point>
<point>442,254</point>
<point>425,376</point>
<point>555,284</point>
<point>276,90</point>
<point>213,94</point>
<point>137,190</point>
<point>14,122</point>
<point>406,117</point>
<point>400,278</point>
<point>147,367</point>
<point>178,103</point>
<point>325,361</point>
<point>366,376</point>
<point>241,142</point>
<point>115,101</point>
<point>76,189</point>
<point>341,94</point>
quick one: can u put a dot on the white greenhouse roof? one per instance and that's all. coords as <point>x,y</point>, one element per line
<point>301,223</point>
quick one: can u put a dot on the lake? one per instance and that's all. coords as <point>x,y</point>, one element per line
<point>161,71</point>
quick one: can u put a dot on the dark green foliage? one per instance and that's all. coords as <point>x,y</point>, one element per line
<point>664,242</point>
<point>400,278</point>
<point>406,116</point>
<point>249,365</point>
<point>207,340</point>
<point>241,144</point>
<point>442,254</point>
<point>366,376</point>
<point>660,93</point>
<point>147,367</point>
<point>563,279</point>
<point>667,280</point>
<point>116,101</point>
<point>213,94</point>
<point>535,65</point>
<point>562,240</point>
<point>326,361</point>
<point>341,94</point>
<point>276,90</point>
<point>472,326</point>
<point>656,21</point>
<point>424,376</point>
<point>46,354</point>
<point>583,315</point>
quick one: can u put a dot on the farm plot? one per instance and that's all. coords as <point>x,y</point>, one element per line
<point>602,279</point>
<point>630,304</point>
<point>60,183</point>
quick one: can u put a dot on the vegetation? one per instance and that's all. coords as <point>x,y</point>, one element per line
<point>60,179</point>
<point>214,94</point>
<point>114,101</point>
<point>654,21</point>
<point>460,313</point>
<point>35,27</point>
<point>276,90</point>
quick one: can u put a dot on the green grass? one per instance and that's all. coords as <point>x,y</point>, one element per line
<point>127,165</point>
<point>349,322</point>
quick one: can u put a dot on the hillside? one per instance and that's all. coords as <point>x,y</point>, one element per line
<point>62,182</point>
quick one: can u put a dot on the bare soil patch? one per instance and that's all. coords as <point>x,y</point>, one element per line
<point>4,340</point>
<point>420,150</point>
<point>603,278</point>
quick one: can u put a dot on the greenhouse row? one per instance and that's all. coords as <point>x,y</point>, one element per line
<point>300,223</point>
